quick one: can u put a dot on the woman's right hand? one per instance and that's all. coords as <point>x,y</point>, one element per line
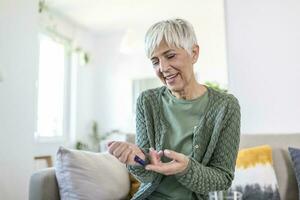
<point>125,152</point>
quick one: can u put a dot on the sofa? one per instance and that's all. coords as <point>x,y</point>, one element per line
<point>43,183</point>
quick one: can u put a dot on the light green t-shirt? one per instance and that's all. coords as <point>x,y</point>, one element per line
<point>183,116</point>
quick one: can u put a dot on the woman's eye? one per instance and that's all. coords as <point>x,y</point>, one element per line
<point>170,56</point>
<point>154,63</point>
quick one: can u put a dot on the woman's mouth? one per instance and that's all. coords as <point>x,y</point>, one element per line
<point>171,78</point>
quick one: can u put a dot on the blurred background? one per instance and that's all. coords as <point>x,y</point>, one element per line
<point>70,71</point>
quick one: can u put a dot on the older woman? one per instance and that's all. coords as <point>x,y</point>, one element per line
<point>188,132</point>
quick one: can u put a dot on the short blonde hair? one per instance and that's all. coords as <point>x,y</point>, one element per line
<point>176,32</point>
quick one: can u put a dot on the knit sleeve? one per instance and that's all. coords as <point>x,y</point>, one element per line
<point>142,141</point>
<point>219,172</point>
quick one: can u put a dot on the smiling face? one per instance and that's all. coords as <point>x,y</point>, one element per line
<point>174,66</point>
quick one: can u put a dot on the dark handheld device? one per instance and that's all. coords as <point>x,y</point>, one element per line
<point>139,160</point>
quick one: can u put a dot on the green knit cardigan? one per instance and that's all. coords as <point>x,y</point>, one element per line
<point>215,143</point>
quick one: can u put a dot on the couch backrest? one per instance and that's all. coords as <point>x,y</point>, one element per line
<point>281,159</point>
<point>43,185</point>
<point>286,178</point>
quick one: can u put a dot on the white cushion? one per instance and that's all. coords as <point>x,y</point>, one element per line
<point>85,175</point>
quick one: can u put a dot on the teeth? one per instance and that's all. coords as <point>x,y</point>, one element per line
<point>172,76</point>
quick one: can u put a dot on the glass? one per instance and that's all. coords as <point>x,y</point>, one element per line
<point>225,195</point>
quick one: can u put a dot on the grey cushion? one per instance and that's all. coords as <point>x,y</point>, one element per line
<point>295,155</point>
<point>43,185</point>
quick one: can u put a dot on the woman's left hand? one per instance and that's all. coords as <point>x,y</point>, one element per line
<point>177,165</point>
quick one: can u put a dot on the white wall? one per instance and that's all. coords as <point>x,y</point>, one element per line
<point>264,64</point>
<point>115,71</point>
<point>18,60</point>
<point>18,94</point>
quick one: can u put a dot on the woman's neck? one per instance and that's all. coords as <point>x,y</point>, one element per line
<point>191,91</point>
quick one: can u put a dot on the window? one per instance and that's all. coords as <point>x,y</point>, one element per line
<point>53,87</point>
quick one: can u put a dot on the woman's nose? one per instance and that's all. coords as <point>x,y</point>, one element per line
<point>163,66</point>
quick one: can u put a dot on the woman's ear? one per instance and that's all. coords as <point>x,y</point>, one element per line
<point>195,53</point>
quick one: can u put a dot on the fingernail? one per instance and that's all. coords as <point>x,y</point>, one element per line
<point>167,152</point>
<point>147,168</point>
<point>109,143</point>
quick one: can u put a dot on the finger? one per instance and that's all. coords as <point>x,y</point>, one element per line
<point>109,143</point>
<point>124,156</point>
<point>135,149</point>
<point>120,149</point>
<point>163,168</point>
<point>161,153</point>
<point>154,157</point>
<point>113,147</point>
<point>157,156</point>
<point>173,155</point>
<point>153,167</point>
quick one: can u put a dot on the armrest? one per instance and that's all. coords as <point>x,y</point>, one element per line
<point>43,185</point>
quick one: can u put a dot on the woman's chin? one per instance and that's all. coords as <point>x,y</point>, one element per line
<point>174,87</point>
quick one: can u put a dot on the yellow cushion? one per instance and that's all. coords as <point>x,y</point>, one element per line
<point>134,186</point>
<point>253,156</point>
